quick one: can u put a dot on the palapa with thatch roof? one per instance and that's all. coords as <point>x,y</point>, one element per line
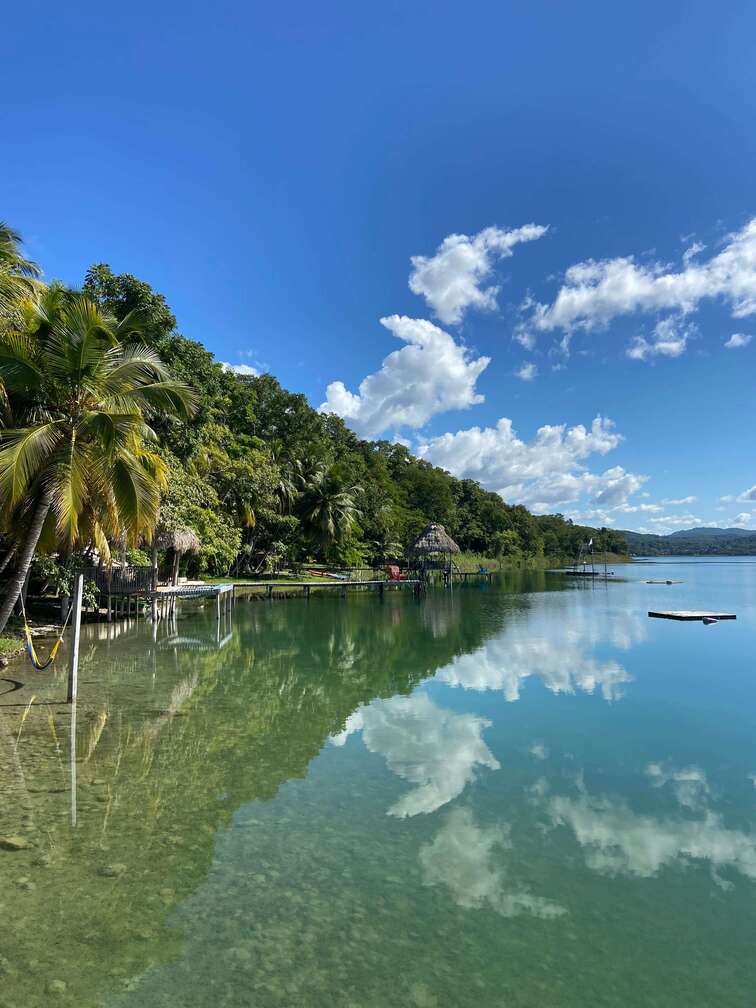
<point>433,542</point>
<point>434,539</point>
<point>181,540</point>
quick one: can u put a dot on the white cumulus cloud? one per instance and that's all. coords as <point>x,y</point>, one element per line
<point>453,279</point>
<point>675,501</point>
<point>665,524</point>
<point>745,497</point>
<point>431,374</point>
<point>240,369</point>
<point>595,292</point>
<point>738,340</point>
<point>547,472</point>
<point>742,520</point>
<point>670,339</point>
<point>527,372</point>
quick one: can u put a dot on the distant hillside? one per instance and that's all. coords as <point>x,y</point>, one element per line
<point>710,533</point>
<point>694,542</point>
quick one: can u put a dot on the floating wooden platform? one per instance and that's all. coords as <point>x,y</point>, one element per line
<point>688,615</point>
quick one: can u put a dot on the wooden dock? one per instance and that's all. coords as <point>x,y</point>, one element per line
<point>686,615</point>
<point>164,599</point>
<point>343,586</point>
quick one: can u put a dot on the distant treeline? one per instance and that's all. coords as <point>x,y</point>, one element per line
<point>696,545</point>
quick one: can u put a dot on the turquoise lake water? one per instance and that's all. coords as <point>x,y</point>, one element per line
<point>523,794</point>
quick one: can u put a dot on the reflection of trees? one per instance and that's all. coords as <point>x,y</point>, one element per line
<point>169,745</point>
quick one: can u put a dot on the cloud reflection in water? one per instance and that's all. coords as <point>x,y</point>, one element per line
<point>462,857</point>
<point>425,744</point>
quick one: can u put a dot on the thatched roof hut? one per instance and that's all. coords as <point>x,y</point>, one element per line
<point>433,539</point>
<point>181,539</point>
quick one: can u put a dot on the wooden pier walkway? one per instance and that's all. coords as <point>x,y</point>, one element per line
<point>165,598</point>
<point>307,586</point>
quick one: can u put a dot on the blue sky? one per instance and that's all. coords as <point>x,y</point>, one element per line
<point>273,171</point>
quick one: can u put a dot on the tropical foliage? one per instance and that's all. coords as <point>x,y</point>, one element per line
<point>79,464</point>
<point>298,485</point>
<point>114,424</point>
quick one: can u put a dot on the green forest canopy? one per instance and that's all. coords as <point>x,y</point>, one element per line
<point>262,477</point>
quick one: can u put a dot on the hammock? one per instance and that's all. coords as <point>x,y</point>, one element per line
<point>40,666</point>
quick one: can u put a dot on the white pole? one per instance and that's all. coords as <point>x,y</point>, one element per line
<point>73,763</point>
<point>73,668</point>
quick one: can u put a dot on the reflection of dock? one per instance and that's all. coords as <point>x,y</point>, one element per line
<point>194,643</point>
<point>487,575</point>
<point>571,572</point>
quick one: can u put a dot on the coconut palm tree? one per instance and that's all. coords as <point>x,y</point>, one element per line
<point>18,276</point>
<point>77,458</point>
<point>327,510</point>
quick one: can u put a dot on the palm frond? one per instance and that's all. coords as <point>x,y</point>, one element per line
<point>22,455</point>
<point>136,495</point>
<point>11,259</point>
<point>69,482</point>
<point>18,369</point>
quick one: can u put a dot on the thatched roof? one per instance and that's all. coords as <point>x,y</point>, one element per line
<point>434,539</point>
<point>181,539</point>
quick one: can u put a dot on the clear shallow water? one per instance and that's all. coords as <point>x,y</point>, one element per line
<point>518,794</point>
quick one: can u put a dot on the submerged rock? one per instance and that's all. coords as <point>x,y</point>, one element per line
<point>57,987</point>
<point>14,843</point>
<point>113,870</point>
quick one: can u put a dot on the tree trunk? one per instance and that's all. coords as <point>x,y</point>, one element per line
<point>176,561</point>
<point>25,556</point>
<point>7,558</point>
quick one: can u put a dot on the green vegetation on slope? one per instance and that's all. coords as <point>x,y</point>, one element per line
<point>115,424</point>
<point>263,478</point>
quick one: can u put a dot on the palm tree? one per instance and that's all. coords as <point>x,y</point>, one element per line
<point>77,459</point>
<point>327,511</point>
<point>18,276</point>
